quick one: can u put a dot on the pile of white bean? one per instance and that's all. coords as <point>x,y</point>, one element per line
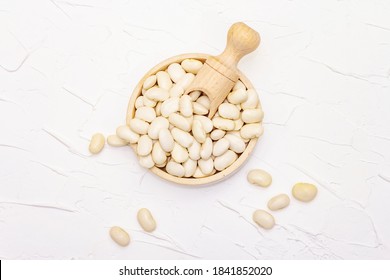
<point>171,130</point>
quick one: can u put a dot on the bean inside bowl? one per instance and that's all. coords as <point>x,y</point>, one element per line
<point>225,157</point>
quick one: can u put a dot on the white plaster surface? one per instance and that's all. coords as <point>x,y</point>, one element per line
<point>67,70</point>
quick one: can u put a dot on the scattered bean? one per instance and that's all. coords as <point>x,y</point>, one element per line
<point>146,220</point>
<point>304,192</point>
<point>278,202</point>
<point>97,143</point>
<point>120,236</point>
<point>263,219</point>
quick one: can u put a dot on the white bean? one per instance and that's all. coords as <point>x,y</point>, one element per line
<point>115,141</point>
<point>220,147</point>
<point>175,71</point>
<point>252,130</point>
<point>207,124</point>
<point>146,114</point>
<point>237,134</point>
<point>156,125</point>
<point>146,220</point>
<point>161,165</point>
<point>139,102</point>
<point>198,131</point>
<point>228,111</point>
<point>179,154</point>
<point>252,115</point>
<point>146,161</point>
<point>175,169</point>
<point>190,120</point>
<point>223,124</point>
<point>238,124</point>
<point>224,161</point>
<point>199,109</point>
<point>186,80</point>
<point>198,173</point>
<point>252,101</point>
<point>166,140</point>
<point>124,132</point>
<point>138,126</point>
<point>148,102</point>
<point>263,219</point>
<point>236,144</point>
<point>195,95</point>
<point>158,154</point>
<point>163,80</point>
<point>278,202</point>
<point>206,165</point>
<point>176,91</point>
<point>169,106</point>
<point>145,145</point>
<point>217,134</point>
<point>158,108</point>
<point>194,151</point>
<point>239,85</point>
<point>259,177</point>
<point>185,106</point>
<point>191,65</point>
<point>190,167</point>
<point>157,94</point>
<point>179,121</point>
<point>204,101</point>
<point>238,96</point>
<point>206,148</point>
<point>182,137</point>
<point>120,236</point>
<point>97,143</point>
<point>304,191</point>
<point>149,82</point>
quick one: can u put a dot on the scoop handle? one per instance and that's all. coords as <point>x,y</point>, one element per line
<point>241,40</point>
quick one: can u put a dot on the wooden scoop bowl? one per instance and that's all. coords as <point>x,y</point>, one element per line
<point>219,73</point>
<point>161,172</point>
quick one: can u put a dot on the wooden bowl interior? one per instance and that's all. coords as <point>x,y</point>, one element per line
<point>162,173</point>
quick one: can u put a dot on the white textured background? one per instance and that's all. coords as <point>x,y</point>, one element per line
<point>67,69</point>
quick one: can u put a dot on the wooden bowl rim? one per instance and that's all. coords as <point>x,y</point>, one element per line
<point>190,181</point>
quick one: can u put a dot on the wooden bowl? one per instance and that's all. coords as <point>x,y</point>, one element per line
<point>160,172</point>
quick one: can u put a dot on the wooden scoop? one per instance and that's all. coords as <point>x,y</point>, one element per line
<point>219,73</point>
